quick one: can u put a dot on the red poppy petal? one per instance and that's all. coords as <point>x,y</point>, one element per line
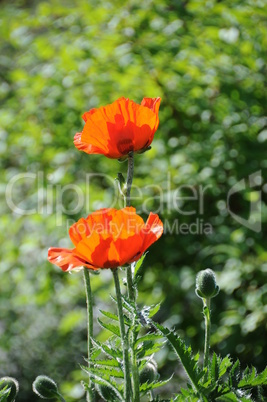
<point>85,147</point>
<point>152,103</point>
<point>66,260</point>
<point>97,249</point>
<point>128,248</point>
<point>125,223</point>
<point>87,114</point>
<point>97,221</point>
<point>152,231</point>
<point>79,230</point>
<point>119,128</point>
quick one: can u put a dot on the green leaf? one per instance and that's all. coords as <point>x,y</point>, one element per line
<point>251,379</point>
<point>189,398</point>
<point>95,353</point>
<point>103,372</point>
<point>153,310</point>
<point>214,369</point>
<point>224,365</point>
<point>148,337</point>
<point>109,351</point>
<point>148,348</point>
<point>139,264</point>
<point>185,392</point>
<point>126,304</point>
<point>234,375</point>
<point>4,394</point>
<point>109,315</point>
<point>110,327</point>
<point>185,355</point>
<point>149,386</point>
<point>106,363</point>
<point>109,383</point>
<point>232,397</point>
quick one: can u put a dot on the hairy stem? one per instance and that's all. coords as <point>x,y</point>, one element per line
<point>124,339</point>
<point>90,396</point>
<point>130,284</point>
<point>207,331</point>
<point>131,289</point>
<point>129,180</point>
<point>135,372</point>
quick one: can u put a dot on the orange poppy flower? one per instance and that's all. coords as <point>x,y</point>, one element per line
<point>119,128</point>
<point>107,238</point>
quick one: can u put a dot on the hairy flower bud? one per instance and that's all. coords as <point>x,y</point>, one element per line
<point>11,385</point>
<point>107,393</point>
<point>149,373</point>
<point>45,387</point>
<point>206,286</point>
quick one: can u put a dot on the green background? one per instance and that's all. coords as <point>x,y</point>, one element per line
<point>206,60</point>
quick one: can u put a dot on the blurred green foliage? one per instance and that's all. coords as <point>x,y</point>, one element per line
<point>206,59</point>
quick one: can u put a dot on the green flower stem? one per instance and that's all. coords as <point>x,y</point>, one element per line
<point>131,288</point>
<point>130,285</point>
<point>129,180</point>
<point>124,339</point>
<point>206,312</point>
<point>61,398</point>
<point>90,397</point>
<point>135,372</point>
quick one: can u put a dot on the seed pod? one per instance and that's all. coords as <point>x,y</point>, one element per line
<point>206,286</point>
<point>107,393</point>
<point>45,387</point>
<point>149,373</point>
<point>12,386</point>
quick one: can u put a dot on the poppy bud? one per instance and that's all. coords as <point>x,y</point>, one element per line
<point>206,286</point>
<point>45,387</point>
<point>107,393</point>
<point>11,385</point>
<point>149,373</point>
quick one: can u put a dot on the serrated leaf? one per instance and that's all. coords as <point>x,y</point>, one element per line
<point>232,397</point>
<point>184,354</point>
<point>110,327</point>
<point>103,372</point>
<point>149,311</point>
<point>153,310</point>
<point>149,386</point>
<point>224,365</point>
<point>190,398</point>
<point>126,304</point>
<point>148,348</point>
<point>148,337</point>
<point>4,393</point>
<point>185,392</point>
<point>138,264</point>
<point>109,383</point>
<point>109,351</point>
<point>95,353</point>
<point>214,368</point>
<point>234,375</point>
<point>114,317</point>
<point>109,315</point>
<point>251,379</point>
<point>106,363</point>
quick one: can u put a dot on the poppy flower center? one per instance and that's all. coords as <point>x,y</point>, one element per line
<point>125,146</point>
